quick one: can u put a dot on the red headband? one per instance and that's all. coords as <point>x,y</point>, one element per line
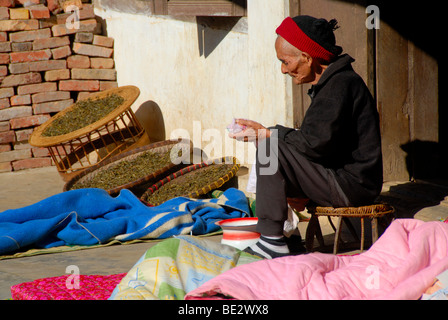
<point>291,32</point>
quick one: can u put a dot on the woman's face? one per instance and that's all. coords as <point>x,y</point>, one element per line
<point>296,63</point>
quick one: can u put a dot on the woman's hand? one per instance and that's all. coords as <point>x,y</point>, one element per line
<point>253,131</point>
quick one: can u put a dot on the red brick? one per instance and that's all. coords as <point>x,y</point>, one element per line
<point>15,112</point>
<point>30,121</point>
<point>50,96</point>
<point>5,166</point>
<point>5,147</point>
<point>4,58</point>
<point>3,71</point>
<point>79,85</point>
<point>15,155</point>
<point>30,35</point>
<point>78,61</point>
<point>84,26</point>
<point>27,2</point>
<point>4,14</point>
<point>28,56</point>
<point>21,79</point>
<point>40,152</point>
<point>5,46</point>
<point>86,12</point>
<point>23,135</point>
<point>4,126</point>
<point>7,3</point>
<point>52,42</point>
<point>83,95</point>
<point>51,107</point>
<point>21,145</point>
<point>85,37</point>
<point>56,75</point>
<point>17,68</point>
<point>53,5</point>
<point>19,14</point>
<point>3,36</point>
<point>103,41</point>
<point>61,52</point>
<point>94,74</point>
<point>31,163</point>
<point>19,25</point>
<point>7,137</point>
<point>101,63</point>
<point>39,12</point>
<point>50,22</point>
<point>4,103</point>
<point>91,50</point>
<point>6,92</point>
<point>35,88</point>
<point>20,100</point>
<point>21,46</point>
<point>47,65</point>
<point>106,85</point>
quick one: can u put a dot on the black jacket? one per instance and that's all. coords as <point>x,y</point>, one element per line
<point>341,131</point>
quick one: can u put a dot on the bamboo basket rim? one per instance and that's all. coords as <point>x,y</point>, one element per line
<point>201,191</point>
<point>129,93</point>
<point>105,164</point>
<point>373,211</point>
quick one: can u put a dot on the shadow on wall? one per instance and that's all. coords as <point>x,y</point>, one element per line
<point>426,160</point>
<point>212,30</point>
<point>151,118</point>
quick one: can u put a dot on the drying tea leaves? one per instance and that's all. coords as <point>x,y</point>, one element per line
<point>126,171</point>
<point>188,183</point>
<point>84,113</point>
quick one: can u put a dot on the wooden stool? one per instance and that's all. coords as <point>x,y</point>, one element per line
<point>373,212</point>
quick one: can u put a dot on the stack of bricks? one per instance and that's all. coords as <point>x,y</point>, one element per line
<point>44,68</point>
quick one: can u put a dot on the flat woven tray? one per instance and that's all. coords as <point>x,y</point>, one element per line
<point>188,174</point>
<point>109,164</point>
<point>128,93</point>
<point>372,211</point>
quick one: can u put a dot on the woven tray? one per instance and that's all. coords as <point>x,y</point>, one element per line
<point>372,211</point>
<point>159,147</point>
<point>128,93</point>
<point>188,173</point>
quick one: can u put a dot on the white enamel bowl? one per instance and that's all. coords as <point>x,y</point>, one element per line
<point>239,232</point>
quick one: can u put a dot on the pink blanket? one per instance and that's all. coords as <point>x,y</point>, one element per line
<point>402,264</point>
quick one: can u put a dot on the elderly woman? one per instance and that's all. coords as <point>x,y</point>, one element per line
<point>334,158</point>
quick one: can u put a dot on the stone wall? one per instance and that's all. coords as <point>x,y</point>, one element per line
<point>44,68</point>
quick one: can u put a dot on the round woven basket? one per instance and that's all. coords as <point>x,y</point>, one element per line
<point>80,149</point>
<point>109,164</point>
<point>188,173</point>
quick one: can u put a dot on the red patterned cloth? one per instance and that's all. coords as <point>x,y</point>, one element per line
<point>68,287</point>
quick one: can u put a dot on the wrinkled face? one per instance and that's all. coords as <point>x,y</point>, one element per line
<point>296,63</point>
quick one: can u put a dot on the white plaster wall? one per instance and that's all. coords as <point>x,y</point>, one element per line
<point>270,100</point>
<point>198,96</point>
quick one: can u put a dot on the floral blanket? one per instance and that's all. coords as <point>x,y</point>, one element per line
<point>176,266</point>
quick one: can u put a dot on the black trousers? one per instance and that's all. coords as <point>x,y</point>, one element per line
<point>283,173</point>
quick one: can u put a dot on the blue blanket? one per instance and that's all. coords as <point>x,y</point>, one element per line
<point>92,216</point>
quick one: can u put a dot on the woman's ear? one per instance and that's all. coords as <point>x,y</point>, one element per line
<point>306,58</point>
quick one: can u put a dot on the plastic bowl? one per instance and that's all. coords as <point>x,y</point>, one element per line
<point>239,232</point>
